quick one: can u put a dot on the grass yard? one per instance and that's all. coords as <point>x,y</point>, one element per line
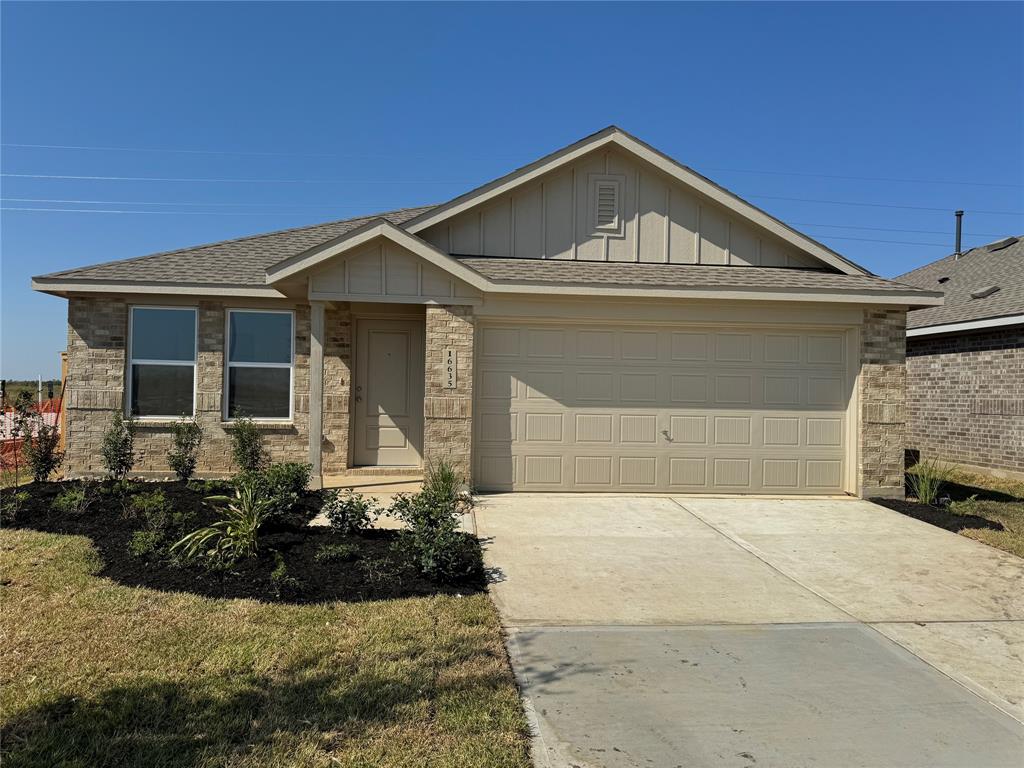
<point>994,516</point>
<point>99,673</point>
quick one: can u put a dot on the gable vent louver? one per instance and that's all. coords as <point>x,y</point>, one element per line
<point>607,204</point>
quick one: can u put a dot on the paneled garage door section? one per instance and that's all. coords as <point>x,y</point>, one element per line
<point>592,408</point>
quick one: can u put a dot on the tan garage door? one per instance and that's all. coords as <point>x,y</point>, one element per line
<point>687,409</point>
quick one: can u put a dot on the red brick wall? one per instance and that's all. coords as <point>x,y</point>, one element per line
<point>965,397</point>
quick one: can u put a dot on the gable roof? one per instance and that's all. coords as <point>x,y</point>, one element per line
<point>613,135</point>
<point>240,262</point>
<point>977,269</point>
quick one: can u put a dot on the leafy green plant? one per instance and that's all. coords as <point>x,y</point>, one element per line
<point>926,479</point>
<point>339,552</point>
<point>118,449</point>
<point>11,502</point>
<point>349,512</point>
<point>73,501</point>
<point>234,537</point>
<point>281,581</point>
<point>247,445</point>
<point>40,441</point>
<point>282,483</point>
<point>153,508</point>
<point>432,540</point>
<point>186,437</point>
<point>145,542</point>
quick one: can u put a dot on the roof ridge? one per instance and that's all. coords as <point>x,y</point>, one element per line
<point>244,238</point>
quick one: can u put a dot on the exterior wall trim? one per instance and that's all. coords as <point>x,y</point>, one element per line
<point>972,325</point>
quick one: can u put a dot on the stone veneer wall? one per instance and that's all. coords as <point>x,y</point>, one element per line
<point>965,397</point>
<point>883,376</point>
<point>448,413</point>
<point>337,389</point>
<point>97,337</point>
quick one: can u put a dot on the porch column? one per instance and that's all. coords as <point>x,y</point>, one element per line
<point>448,401</point>
<point>316,392</point>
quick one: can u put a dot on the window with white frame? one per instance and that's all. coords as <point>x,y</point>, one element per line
<point>162,362</point>
<point>260,355</point>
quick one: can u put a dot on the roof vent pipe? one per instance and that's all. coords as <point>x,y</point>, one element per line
<point>959,230</point>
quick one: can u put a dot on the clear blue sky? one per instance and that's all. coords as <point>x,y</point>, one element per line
<point>395,105</point>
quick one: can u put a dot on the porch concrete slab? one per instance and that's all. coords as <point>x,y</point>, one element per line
<point>985,656</point>
<point>746,697</point>
<point>876,564</point>
<point>642,561</point>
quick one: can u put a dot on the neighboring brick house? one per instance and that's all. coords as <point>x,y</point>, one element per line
<point>965,359</point>
<point>603,319</point>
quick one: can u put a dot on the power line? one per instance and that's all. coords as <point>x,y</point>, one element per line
<point>868,178</point>
<point>225,181</point>
<point>142,202</point>
<point>882,205</point>
<point>86,147</point>
<point>887,229</point>
<point>245,213</point>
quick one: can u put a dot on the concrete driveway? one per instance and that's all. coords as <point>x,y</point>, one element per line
<point>651,631</point>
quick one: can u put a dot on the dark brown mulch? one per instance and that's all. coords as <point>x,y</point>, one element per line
<point>939,516</point>
<point>375,571</point>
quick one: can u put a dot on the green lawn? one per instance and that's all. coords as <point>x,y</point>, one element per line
<point>995,514</point>
<point>98,674</point>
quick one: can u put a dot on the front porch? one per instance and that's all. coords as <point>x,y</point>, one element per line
<point>390,391</point>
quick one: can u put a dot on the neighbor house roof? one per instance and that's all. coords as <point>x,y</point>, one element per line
<point>967,283</point>
<point>632,274</point>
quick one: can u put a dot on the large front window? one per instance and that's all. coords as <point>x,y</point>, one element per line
<point>162,362</point>
<point>259,371</point>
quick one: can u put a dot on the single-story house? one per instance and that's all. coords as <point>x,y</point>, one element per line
<point>965,359</point>
<point>602,319</point>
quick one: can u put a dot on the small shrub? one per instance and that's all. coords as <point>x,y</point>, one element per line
<point>247,446</point>
<point>281,582</point>
<point>349,513</point>
<point>11,502</point>
<point>926,479</point>
<point>144,543</point>
<point>118,449</point>
<point>153,508</point>
<point>41,451</point>
<point>283,484</point>
<point>336,553</point>
<point>186,436</point>
<point>73,501</point>
<point>432,541</point>
<point>234,537</point>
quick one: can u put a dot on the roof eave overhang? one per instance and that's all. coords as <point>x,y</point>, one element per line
<point>67,286</point>
<point>319,255</point>
<point>966,326</point>
<point>617,137</point>
<point>861,296</point>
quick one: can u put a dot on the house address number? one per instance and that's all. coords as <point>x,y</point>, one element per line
<point>451,359</point>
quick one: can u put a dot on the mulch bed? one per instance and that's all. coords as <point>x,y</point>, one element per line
<point>941,517</point>
<point>375,571</point>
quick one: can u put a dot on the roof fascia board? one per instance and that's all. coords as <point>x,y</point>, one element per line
<point>62,286</point>
<point>377,228</point>
<point>803,295</point>
<point>970,325</point>
<point>658,160</point>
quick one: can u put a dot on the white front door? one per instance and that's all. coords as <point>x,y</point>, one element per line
<point>388,394</point>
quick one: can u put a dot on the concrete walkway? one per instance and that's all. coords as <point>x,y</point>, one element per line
<point>651,631</point>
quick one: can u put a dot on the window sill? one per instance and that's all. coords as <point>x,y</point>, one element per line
<point>156,423</point>
<point>283,426</point>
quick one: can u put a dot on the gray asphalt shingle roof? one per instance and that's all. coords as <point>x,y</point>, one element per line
<point>242,261</point>
<point>632,274</point>
<point>976,269</point>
